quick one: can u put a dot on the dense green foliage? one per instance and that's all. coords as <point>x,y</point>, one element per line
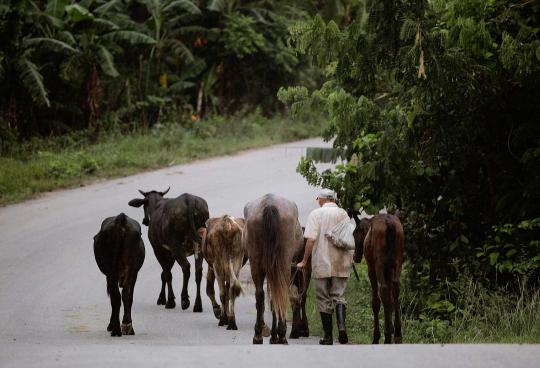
<point>100,64</point>
<point>434,106</point>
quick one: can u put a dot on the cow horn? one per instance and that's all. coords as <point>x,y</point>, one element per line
<point>165,192</point>
<point>143,193</point>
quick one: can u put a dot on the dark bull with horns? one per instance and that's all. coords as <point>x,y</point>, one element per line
<point>173,225</point>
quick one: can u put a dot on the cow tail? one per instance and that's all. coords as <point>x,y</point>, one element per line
<point>191,219</point>
<point>390,241</point>
<point>120,224</point>
<point>273,261</point>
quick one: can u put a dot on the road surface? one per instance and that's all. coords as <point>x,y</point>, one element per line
<point>53,303</point>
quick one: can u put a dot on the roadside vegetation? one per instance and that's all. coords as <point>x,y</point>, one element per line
<point>481,315</point>
<point>44,164</point>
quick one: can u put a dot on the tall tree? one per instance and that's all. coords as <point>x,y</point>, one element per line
<point>432,104</point>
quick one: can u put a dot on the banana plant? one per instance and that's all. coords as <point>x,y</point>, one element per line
<point>165,25</point>
<point>21,79</point>
<point>96,37</point>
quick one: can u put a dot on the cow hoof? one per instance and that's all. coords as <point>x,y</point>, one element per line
<point>171,304</point>
<point>283,341</point>
<point>161,300</point>
<point>185,304</point>
<point>232,325</point>
<point>274,340</point>
<point>257,340</point>
<point>397,339</point>
<point>127,329</point>
<point>217,311</point>
<point>197,308</point>
<point>295,334</point>
<point>265,331</point>
<point>116,331</point>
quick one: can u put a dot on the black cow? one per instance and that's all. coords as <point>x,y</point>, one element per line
<point>173,225</point>
<point>119,252</point>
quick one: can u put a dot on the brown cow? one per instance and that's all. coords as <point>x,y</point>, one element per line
<point>382,242</point>
<point>225,253</point>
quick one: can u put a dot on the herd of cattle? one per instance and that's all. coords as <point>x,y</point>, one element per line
<point>269,236</point>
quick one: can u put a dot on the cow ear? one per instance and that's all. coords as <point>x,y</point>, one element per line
<point>137,202</point>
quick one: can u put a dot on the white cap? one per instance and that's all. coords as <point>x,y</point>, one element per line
<point>327,194</point>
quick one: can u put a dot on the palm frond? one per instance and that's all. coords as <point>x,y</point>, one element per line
<point>217,5</point>
<point>185,5</point>
<point>78,13</point>
<point>50,43</point>
<point>106,62</point>
<point>56,8</point>
<point>130,37</point>
<point>180,49</point>
<point>66,37</point>
<point>104,25</point>
<point>180,86</point>
<point>70,67</point>
<point>102,9</point>
<point>32,80</point>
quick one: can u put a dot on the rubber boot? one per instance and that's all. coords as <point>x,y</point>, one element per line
<point>326,319</point>
<point>340,319</point>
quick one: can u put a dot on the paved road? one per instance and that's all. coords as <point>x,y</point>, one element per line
<point>54,307</point>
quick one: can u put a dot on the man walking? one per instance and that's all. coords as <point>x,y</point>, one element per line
<point>331,266</point>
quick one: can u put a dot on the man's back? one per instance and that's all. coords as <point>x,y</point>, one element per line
<point>328,261</point>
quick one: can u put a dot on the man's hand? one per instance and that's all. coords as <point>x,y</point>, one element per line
<point>301,265</point>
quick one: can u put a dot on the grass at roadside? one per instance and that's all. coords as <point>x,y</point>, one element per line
<point>48,164</point>
<point>482,316</point>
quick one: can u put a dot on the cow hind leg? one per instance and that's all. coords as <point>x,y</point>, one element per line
<point>230,314</point>
<point>211,292</point>
<point>259,303</point>
<point>274,334</point>
<point>282,331</point>
<point>304,325</point>
<point>397,313</point>
<point>171,303</point>
<point>197,307</point>
<point>375,305</point>
<point>114,294</point>
<point>186,269</point>
<point>386,296</point>
<point>166,262</point>
<point>127,299</point>
<point>161,298</point>
<point>223,298</point>
<point>296,311</point>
